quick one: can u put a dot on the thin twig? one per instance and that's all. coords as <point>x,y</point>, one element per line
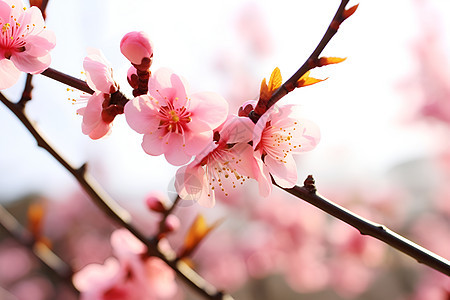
<point>26,95</point>
<point>309,64</point>
<point>114,211</point>
<point>51,262</point>
<point>67,79</point>
<point>366,227</point>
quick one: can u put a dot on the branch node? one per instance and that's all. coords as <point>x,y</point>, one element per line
<point>310,184</point>
<point>82,169</point>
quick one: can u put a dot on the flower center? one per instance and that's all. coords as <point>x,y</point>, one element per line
<point>220,165</point>
<point>174,119</point>
<point>278,142</point>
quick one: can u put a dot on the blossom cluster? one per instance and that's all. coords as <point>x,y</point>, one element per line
<point>216,150</point>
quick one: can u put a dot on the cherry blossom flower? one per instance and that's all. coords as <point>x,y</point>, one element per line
<point>129,276</point>
<point>174,122</point>
<point>229,158</point>
<point>107,102</point>
<point>278,134</point>
<point>24,42</point>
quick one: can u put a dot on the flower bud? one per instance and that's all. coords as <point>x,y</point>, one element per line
<point>132,77</point>
<point>172,223</point>
<point>246,108</point>
<point>136,47</point>
<point>155,202</point>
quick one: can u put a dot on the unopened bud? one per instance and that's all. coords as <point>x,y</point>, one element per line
<point>132,77</point>
<point>172,223</point>
<point>246,108</point>
<point>155,202</point>
<point>137,48</point>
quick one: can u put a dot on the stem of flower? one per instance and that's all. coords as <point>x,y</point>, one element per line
<point>26,95</point>
<point>68,80</point>
<point>309,64</point>
<point>366,227</point>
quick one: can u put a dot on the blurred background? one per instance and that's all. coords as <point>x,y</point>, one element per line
<point>384,116</point>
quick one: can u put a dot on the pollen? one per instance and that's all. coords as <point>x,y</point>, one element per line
<point>6,27</point>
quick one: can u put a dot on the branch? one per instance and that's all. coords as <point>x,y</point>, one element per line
<point>310,63</point>
<point>67,79</point>
<point>51,262</point>
<point>366,227</point>
<point>107,204</point>
<point>26,95</point>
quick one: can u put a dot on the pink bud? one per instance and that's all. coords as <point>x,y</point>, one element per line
<point>136,46</point>
<point>155,202</point>
<point>172,223</point>
<point>132,77</point>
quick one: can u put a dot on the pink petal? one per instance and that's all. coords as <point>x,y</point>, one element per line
<point>92,114</point>
<point>40,45</point>
<point>164,86</point>
<point>243,162</point>
<point>124,243</point>
<point>310,135</point>
<point>153,144</point>
<point>101,130</point>
<point>33,16</point>
<point>191,183</point>
<point>29,63</point>
<point>98,71</point>
<point>197,143</point>
<point>5,12</point>
<point>161,277</point>
<point>284,174</point>
<point>97,277</point>
<point>9,74</point>
<point>262,175</point>
<point>208,108</point>
<point>174,150</point>
<point>260,126</point>
<point>237,130</point>
<point>93,124</point>
<point>140,114</point>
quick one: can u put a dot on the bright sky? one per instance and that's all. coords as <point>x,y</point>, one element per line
<point>357,108</point>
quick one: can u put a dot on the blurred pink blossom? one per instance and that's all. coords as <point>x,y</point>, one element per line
<point>25,42</point>
<point>174,122</point>
<point>130,275</point>
<point>15,259</point>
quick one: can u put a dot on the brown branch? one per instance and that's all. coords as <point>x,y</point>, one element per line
<point>52,263</point>
<point>366,227</point>
<point>108,205</point>
<point>67,79</point>
<point>309,64</point>
<point>26,95</point>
